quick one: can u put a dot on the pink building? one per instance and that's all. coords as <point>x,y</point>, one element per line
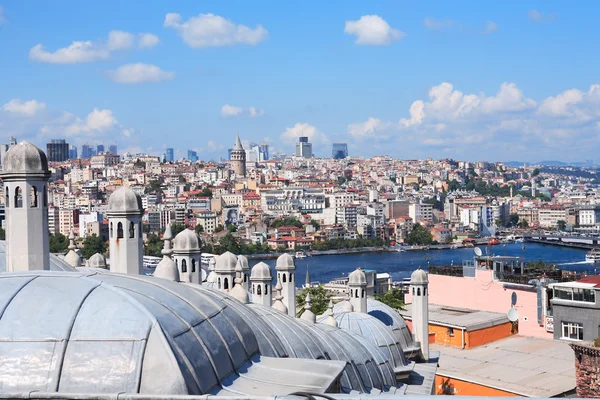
<point>482,292</point>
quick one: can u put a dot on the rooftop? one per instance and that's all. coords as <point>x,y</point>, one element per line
<point>527,366</point>
<point>470,320</point>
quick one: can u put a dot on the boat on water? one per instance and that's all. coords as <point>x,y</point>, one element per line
<point>493,242</point>
<point>593,256</point>
<point>300,254</point>
<point>150,262</point>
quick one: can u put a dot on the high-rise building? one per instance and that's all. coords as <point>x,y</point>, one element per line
<point>86,151</point>
<point>339,151</point>
<point>192,155</point>
<point>57,150</point>
<point>264,151</point>
<point>72,152</point>
<point>6,147</point>
<point>170,155</point>
<point>303,147</point>
<point>100,149</point>
<point>112,149</point>
<point>237,158</point>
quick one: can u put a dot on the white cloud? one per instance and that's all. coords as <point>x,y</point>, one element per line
<point>148,40</point>
<point>206,30</point>
<point>229,111</point>
<point>213,146</point>
<point>540,18</point>
<point>369,128</point>
<point>27,108</point>
<point>372,30</point>
<point>97,120</point>
<point>490,26</point>
<point>88,51</point>
<point>434,24</point>
<point>139,73</point>
<point>292,134</point>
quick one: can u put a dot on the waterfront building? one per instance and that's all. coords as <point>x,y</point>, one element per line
<point>304,148</point>
<point>339,151</point>
<point>576,309</point>
<point>237,158</point>
<point>57,150</point>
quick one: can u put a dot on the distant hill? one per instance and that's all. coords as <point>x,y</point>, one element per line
<point>548,163</point>
<point>555,163</point>
<point>516,163</point>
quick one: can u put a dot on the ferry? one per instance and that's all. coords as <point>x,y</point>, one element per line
<point>301,254</point>
<point>493,242</point>
<point>593,256</point>
<point>150,262</point>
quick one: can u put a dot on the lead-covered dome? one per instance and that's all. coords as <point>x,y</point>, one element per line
<point>25,158</point>
<point>97,261</point>
<point>418,277</point>
<point>186,241</point>
<point>392,319</point>
<point>226,263</point>
<point>357,277</point>
<point>285,262</point>
<point>124,200</point>
<point>261,272</point>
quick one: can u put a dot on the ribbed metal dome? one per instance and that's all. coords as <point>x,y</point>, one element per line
<point>25,158</point>
<point>124,200</point>
<point>186,241</point>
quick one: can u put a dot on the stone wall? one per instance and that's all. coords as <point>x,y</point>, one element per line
<point>587,370</point>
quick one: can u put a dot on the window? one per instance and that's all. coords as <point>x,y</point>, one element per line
<point>226,284</point>
<point>418,291</point>
<point>575,294</point>
<point>193,265</point>
<point>219,283</point>
<point>283,278</point>
<point>258,290</point>
<point>7,202</point>
<point>451,332</point>
<point>131,230</point>
<point>33,197</point>
<point>362,293</point>
<point>291,277</point>
<point>111,230</point>
<point>183,266</point>
<point>18,197</point>
<point>572,330</point>
<point>119,230</point>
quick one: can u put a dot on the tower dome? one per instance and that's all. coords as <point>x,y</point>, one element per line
<point>418,277</point>
<point>124,200</point>
<point>25,158</point>
<point>357,277</point>
<point>226,263</point>
<point>186,240</point>
<point>285,262</point>
<point>97,261</point>
<point>261,271</point>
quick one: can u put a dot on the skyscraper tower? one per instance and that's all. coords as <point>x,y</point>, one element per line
<point>238,158</point>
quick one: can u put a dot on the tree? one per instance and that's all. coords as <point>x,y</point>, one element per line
<point>154,185</point>
<point>419,236</point>
<point>229,243</point>
<point>319,300</point>
<point>393,298</point>
<point>219,228</point>
<point>199,229</point>
<point>231,228</point>
<point>153,245</point>
<point>176,228</point>
<point>513,219</point>
<point>523,224</point>
<point>498,222</point>
<point>536,172</point>
<point>287,221</point>
<point>58,243</point>
<point>206,192</point>
<point>91,245</point>
<point>315,224</point>
<point>561,225</point>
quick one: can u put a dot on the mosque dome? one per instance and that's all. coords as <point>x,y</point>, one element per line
<point>97,261</point>
<point>124,200</point>
<point>226,263</point>
<point>374,331</point>
<point>25,158</point>
<point>167,269</point>
<point>261,272</point>
<point>140,334</point>
<point>186,241</point>
<point>57,263</point>
<point>392,319</point>
<point>243,261</point>
<point>73,258</point>
<point>285,262</point>
<point>418,277</point>
<point>357,277</point>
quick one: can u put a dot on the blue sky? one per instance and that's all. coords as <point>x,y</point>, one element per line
<point>463,79</point>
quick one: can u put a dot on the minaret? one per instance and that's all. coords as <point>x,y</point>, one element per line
<point>125,231</point>
<point>278,304</point>
<point>261,279</point>
<point>357,287</point>
<point>186,252</point>
<point>307,280</point>
<point>330,318</point>
<point>238,290</point>
<point>238,158</point>
<point>308,315</point>
<point>72,257</point>
<point>286,271</point>
<point>243,263</point>
<point>25,176</point>
<point>420,310</point>
<point>166,268</point>
<point>225,270</point>
<point>212,275</point>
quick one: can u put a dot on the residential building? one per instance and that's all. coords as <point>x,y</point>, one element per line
<point>68,220</point>
<point>420,212</point>
<point>576,309</point>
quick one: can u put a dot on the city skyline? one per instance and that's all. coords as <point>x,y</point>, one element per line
<point>504,83</point>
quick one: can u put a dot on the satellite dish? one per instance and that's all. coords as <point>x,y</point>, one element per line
<point>512,314</point>
<point>513,299</point>
<point>477,251</point>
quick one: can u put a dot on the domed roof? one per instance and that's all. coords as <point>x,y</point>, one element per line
<point>285,262</point>
<point>141,334</point>
<point>261,272</point>
<point>167,269</point>
<point>57,263</point>
<point>357,278</point>
<point>186,241</point>
<point>243,262</point>
<point>97,261</point>
<point>73,258</point>
<point>25,158</point>
<point>376,332</point>
<point>226,263</point>
<point>393,320</point>
<point>124,200</point>
<point>418,277</point>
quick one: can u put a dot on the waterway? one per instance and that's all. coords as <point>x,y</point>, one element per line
<point>400,265</point>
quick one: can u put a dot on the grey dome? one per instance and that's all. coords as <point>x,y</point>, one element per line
<point>376,332</point>
<point>124,200</point>
<point>357,278</point>
<point>186,241</point>
<point>393,320</point>
<point>97,261</point>
<point>261,272</point>
<point>418,277</point>
<point>285,262</point>
<point>167,269</point>
<point>243,262</point>
<point>73,258</point>
<point>226,263</point>
<point>57,263</point>
<point>25,158</point>
<point>141,334</point>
